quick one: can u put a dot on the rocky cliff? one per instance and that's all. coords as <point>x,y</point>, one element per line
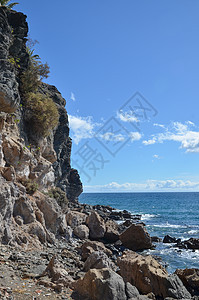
<point>51,166</point>
<point>29,161</point>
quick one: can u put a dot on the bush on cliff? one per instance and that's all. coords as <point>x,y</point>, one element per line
<point>30,185</point>
<point>5,3</point>
<point>32,76</point>
<point>59,196</point>
<point>41,113</point>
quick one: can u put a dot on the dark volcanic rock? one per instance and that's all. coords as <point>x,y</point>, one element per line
<point>12,46</point>
<point>66,177</point>
<point>191,243</point>
<point>169,239</point>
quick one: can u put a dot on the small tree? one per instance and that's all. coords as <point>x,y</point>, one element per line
<point>6,3</point>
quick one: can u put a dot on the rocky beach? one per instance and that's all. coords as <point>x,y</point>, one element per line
<point>52,246</point>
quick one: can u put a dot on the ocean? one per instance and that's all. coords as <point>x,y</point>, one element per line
<point>175,214</point>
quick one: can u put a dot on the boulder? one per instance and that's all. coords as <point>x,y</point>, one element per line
<point>156,239</point>
<point>169,239</point>
<point>81,231</point>
<point>149,276</point>
<point>190,279</point>
<point>57,273</point>
<point>136,238</point>
<point>112,233</point>
<point>75,218</point>
<point>96,225</point>
<point>101,284</point>
<point>98,260</point>
<point>90,246</point>
<point>191,243</point>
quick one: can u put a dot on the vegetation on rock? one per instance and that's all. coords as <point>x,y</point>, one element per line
<point>42,113</point>
<point>59,196</point>
<point>30,185</point>
<point>6,3</point>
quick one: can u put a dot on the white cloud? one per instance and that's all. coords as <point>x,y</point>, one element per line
<point>72,96</point>
<point>159,125</point>
<point>109,136</point>
<point>127,117</point>
<point>156,156</point>
<point>149,142</point>
<point>82,128</point>
<point>178,132</point>
<point>135,136</point>
<point>148,185</point>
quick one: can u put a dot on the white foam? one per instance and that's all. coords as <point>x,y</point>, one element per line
<point>167,225</point>
<point>193,232</point>
<point>147,216</point>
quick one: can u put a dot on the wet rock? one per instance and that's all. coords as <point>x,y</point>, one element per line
<point>191,243</point>
<point>149,276</point>
<point>136,238</point>
<point>156,239</point>
<point>96,225</point>
<point>169,239</point>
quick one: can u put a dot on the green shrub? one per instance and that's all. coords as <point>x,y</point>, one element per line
<point>32,76</point>
<point>30,185</point>
<point>42,113</point>
<point>59,196</point>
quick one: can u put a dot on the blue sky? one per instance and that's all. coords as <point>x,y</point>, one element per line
<point>105,53</point>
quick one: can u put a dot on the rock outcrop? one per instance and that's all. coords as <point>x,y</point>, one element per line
<point>190,279</point>
<point>149,276</point>
<point>29,161</point>
<point>107,285</point>
<point>13,33</point>
<point>136,238</point>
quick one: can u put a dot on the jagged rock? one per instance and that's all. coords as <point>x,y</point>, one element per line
<point>156,239</point>
<point>54,218</point>
<point>98,260</point>
<point>81,231</point>
<point>96,225</point>
<point>12,39</point>
<point>101,284</point>
<point>65,177</point>
<point>112,233</point>
<point>90,246</point>
<point>136,238</point>
<point>23,208</point>
<point>148,276</point>
<point>57,273</point>
<point>133,293</point>
<point>75,218</point>
<point>8,173</point>
<point>169,239</point>
<point>191,243</point>
<point>190,279</point>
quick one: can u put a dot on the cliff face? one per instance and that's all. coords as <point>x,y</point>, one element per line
<point>26,159</point>
<point>55,150</point>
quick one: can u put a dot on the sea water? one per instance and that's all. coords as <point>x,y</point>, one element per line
<point>174,214</point>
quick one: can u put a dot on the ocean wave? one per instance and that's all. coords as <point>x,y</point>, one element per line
<point>167,225</point>
<point>191,232</point>
<point>145,217</point>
